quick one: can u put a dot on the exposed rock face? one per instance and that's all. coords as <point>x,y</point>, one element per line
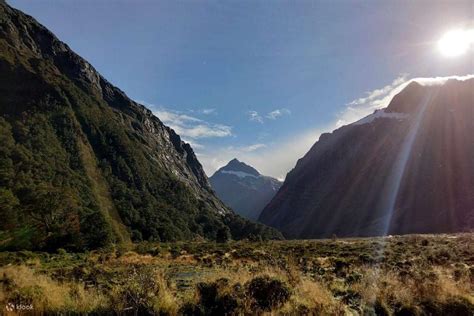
<point>243,188</point>
<point>69,131</point>
<point>407,169</point>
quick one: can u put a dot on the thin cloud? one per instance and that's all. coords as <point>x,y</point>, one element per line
<point>189,127</point>
<point>195,145</point>
<point>440,80</point>
<point>253,147</point>
<point>208,111</point>
<point>380,98</point>
<point>273,115</point>
<point>255,117</point>
<point>374,100</point>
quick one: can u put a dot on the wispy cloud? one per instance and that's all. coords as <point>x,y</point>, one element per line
<point>189,127</point>
<point>247,149</point>
<point>380,98</point>
<point>255,117</point>
<point>273,115</point>
<point>440,80</point>
<point>192,127</point>
<point>208,111</point>
<point>373,100</point>
<point>194,144</point>
<point>253,147</point>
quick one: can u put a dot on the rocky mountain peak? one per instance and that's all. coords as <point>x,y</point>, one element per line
<point>243,188</point>
<point>238,166</point>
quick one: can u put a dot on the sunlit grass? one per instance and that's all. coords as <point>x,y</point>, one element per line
<point>416,274</point>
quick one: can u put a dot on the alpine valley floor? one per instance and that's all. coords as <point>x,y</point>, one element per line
<point>396,275</point>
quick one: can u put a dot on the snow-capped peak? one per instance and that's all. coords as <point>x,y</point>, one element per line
<point>239,174</point>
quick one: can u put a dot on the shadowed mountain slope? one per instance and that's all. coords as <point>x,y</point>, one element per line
<point>406,169</point>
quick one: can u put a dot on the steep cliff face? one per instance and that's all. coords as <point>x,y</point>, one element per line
<point>243,188</point>
<point>82,164</point>
<point>406,169</point>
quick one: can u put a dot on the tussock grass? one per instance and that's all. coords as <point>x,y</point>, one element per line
<point>411,275</point>
<point>22,285</point>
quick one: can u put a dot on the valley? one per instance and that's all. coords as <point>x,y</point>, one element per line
<point>108,206</point>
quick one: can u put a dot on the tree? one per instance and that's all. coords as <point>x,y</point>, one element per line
<point>8,209</point>
<point>55,212</point>
<point>223,234</point>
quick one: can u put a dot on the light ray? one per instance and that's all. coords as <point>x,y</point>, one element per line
<point>396,177</point>
<point>401,163</point>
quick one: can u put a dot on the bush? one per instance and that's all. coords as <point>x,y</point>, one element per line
<point>215,298</point>
<point>223,234</point>
<point>268,293</point>
<point>452,307</point>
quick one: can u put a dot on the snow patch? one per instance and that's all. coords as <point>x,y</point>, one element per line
<point>239,174</point>
<point>380,114</point>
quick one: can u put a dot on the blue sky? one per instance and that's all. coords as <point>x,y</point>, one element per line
<point>258,80</point>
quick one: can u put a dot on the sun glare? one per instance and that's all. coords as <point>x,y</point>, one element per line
<point>456,43</point>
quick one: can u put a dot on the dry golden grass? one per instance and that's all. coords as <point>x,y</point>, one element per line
<point>20,284</point>
<point>438,287</point>
<point>322,277</point>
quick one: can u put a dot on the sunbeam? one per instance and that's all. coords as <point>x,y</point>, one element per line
<point>401,163</point>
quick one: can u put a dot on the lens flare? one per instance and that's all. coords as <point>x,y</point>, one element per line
<point>456,43</point>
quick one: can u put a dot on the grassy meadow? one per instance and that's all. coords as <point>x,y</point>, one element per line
<point>399,275</point>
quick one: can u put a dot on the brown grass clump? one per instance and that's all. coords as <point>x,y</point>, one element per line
<point>144,291</point>
<point>21,285</point>
<point>435,291</point>
<point>314,298</point>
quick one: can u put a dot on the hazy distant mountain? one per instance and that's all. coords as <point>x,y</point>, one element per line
<point>82,165</point>
<point>243,188</point>
<point>406,169</point>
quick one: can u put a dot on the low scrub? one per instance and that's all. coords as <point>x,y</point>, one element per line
<point>412,275</point>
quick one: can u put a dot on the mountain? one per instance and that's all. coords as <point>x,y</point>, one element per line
<point>408,168</point>
<point>82,165</point>
<point>243,188</point>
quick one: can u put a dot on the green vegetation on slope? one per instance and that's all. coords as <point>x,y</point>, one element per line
<point>83,166</point>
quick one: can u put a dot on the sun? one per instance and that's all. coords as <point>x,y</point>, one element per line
<point>456,42</point>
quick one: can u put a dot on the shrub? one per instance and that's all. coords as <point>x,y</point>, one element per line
<point>223,234</point>
<point>381,309</point>
<point>451,307</point>
<point>215,298</point>
<point>268,293</point>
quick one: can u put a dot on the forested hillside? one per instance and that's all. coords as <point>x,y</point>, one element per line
<point>82,165</point>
